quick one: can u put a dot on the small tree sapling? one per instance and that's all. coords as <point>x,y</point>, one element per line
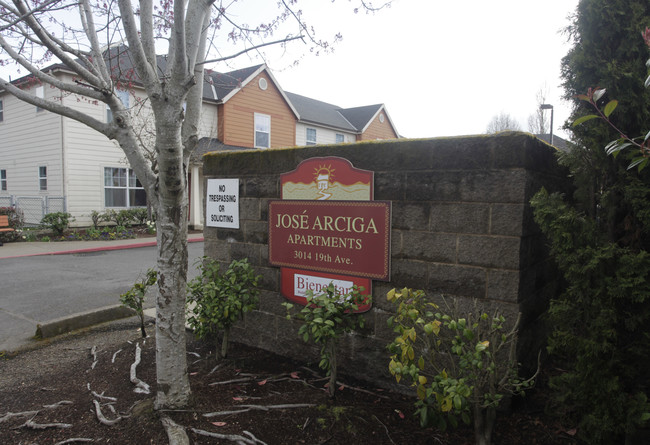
<point>326,317</point>
<point>134,297</point>
<point>217,301</point>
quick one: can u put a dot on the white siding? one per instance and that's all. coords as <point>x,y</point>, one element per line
<point>323,135</point>
<point>74,154</point>
<point>87,152</point>
<point>29,139</point>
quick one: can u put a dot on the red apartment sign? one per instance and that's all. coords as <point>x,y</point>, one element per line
<point>342,237</point>
<point>326,182</point>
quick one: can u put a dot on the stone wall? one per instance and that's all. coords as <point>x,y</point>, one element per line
<point>461,226</point>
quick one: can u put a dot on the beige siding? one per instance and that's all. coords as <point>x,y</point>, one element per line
<point>237,115</point>
<point>379,130</point>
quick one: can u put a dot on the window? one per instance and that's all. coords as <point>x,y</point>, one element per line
<point>340,138</point>
<point>311,136</point>
<point>3,180</point>
<point>122,188</point>
<point>262,130</point>
<point>42,178</point>
<point>40,93</point>
<point>123,96</point>
<point>1,112</point>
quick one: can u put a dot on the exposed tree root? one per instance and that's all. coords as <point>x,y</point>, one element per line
<point>100,416</point>
<point>250,440</point>
<point>57,404</point>
<point>175,433</point>
<point>141,387</point>
<point>8,416</point>
<point>42,426</point>
<point>74,440</point>
<point>115,355</point>
<point>93,352</point>
<point>246,408</point>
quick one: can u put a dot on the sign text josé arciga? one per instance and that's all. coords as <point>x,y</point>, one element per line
<point>346,237</point>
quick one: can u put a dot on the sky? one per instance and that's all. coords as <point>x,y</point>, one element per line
<point>441,68</point>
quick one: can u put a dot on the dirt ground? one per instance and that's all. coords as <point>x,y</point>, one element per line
<point>50,395</point>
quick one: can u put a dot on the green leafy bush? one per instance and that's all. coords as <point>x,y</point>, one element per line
<point>218,300</point>
<point>462,365</point>
<point>57,222</point>
<point>121,218</point>
<point>601,321</point>
<point>326,317</point>
<point>134,298</point>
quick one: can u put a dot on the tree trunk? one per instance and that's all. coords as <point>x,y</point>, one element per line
<point>224,342</point>
<point>171,364</point>
<point>331,352</point>
<point>483,424</point>
<point>142,330</point>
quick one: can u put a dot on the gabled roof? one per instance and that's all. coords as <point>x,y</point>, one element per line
<point>361,117</point>
<point>218,86</point>
<point>316,112</point>
<point>322,113</point>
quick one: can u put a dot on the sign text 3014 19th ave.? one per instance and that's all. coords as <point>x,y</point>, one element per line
<point>344,237</point>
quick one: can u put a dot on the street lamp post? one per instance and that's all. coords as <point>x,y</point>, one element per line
<point>548,107</point>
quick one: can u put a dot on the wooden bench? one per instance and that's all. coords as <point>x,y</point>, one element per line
<point>4,225</point>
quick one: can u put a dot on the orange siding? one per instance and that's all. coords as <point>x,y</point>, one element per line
<point>236,116</point>
<point>378,130</point>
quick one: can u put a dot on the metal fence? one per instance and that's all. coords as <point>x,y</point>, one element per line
<point>35,207</point>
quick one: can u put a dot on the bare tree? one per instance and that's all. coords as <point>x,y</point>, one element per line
<point>80,36</point>
<point>537,122</point>
<point>502,122</point>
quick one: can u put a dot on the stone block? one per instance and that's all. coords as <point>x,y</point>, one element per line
<point>489,251</point>
<point>503,285</point>
<point>239,251</point>
<point>506,186</point>
<point>459,217</point>
<point>256,232</point>
<point>457,280</point>
<point>433,186</point>
<point>249,209</point>
<point>507,219</point>
<point>217,249</point>
<point>390,186</point>
<point>428,246</point>
<point>406,273</point>
<point>409,215</point>
<point>262,187</point>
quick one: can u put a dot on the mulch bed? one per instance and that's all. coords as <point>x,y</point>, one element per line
<point>61,397</point>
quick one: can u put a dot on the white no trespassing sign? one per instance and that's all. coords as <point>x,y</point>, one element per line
<point>222,203</point>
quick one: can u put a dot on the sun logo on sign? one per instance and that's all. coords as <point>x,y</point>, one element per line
<point>323,176</point>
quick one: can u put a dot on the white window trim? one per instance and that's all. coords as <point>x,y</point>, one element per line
<point>127,188</point>
<point>2,111</point>
<point>309,141</point>
<point>256,115</point>
<point>124,97</point>
<point>42,179</point>
<point>336,138</point>
<point>40,93</point>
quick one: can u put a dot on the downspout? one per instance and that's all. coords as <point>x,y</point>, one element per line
<point>64,185</point>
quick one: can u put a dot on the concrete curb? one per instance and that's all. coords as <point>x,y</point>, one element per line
<point>82,320</point>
